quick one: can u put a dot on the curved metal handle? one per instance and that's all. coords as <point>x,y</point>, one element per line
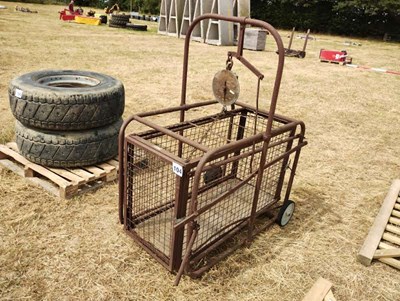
<point>243,22</point>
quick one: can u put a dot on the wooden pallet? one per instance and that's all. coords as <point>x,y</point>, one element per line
<point>62,182</point>
<point>320,291</point>
<point>333,62</point>
<point>383,240</point>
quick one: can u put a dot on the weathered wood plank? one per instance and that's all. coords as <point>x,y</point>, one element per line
<point>95,170</point>
<point>82,173</point>
<point>38,168</point>
<point>107,167</point>
<point>329,296</point>
<point>62,182</point>
<point>396,213</point>
<point>114,163</point>
<point>395,221</point>
<point>384,253</point>
<point>394,239</point>
<point>371,243</point>
<point>18,170</point>
<point>68,175</point>
<point>384,245</point>
<point>390,261</point>
<point>393,229</point>
<point>319,290</point>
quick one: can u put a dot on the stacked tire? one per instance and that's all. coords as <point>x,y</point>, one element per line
<point>103,19</point>
<point>139,27</point>
<point>119,21</point>
<point>67,118</point>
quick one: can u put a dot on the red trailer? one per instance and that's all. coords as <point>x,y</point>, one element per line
<point>334,56</point>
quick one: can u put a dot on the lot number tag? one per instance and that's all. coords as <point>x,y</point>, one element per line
<point>177,169</point>
<point>18,93</point>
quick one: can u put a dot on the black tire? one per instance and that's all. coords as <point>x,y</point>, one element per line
<point>66,99</point>
<point>68,149</point>
<point>286,213</point>
<point>103,19</point>
<point>120,18</point>
<point>115,26</point>
<point>136,27</point>
<point>302,54</point>
<point>117,23</point>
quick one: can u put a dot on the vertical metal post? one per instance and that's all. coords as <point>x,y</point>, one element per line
<point>121,164</point>
<point>241,40</point>
<point>291,39</point>
<point>228,138</point>
<point>296,160</point>
<point>125,206</point>
<point>257,189</point>
<point>181,199</point>
<point>284,166</point>
<point>239,136</point>
<point>186,258</point>
<point>305,42</point>
<point>129,187</point>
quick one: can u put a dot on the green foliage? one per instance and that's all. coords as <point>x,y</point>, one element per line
<point>348,17</point>
<point>60,2</point>
<point>142,6</point>
<point>147,6</point>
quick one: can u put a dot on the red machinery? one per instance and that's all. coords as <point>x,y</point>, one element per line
<point>67,15</point>
<point>334,56</point>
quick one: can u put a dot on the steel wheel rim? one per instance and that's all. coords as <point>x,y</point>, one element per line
<point>68,81</point>
<point>287,214</point>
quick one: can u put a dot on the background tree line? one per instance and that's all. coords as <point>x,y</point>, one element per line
<point>344,17</point>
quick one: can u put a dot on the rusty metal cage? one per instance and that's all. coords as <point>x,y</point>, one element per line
<point>192,192</point>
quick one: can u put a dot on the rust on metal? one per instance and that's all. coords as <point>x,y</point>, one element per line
<point>192,192</point>
<point>297,53</point>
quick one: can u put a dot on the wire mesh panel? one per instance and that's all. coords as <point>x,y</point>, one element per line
<point>190,190</point>
<point>221,179</point>
<point>228,182</point>
<point>150,198</point>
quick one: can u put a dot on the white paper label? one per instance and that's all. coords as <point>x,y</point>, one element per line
<point>177,169</point>
<point>18,93</point>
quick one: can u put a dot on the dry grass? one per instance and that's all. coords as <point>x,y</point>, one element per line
<point>52,249</point>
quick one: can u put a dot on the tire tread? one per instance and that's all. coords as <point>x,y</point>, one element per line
<point>64,110</point>
<point>60,149</point>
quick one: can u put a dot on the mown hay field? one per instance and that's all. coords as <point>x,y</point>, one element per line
<point>53,249</point>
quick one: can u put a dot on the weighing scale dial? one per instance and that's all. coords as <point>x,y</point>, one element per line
<point>226,87</point>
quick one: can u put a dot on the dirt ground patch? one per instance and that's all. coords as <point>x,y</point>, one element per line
<point>51,249</point>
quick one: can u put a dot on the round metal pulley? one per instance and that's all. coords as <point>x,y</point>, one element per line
<point>226,87</point>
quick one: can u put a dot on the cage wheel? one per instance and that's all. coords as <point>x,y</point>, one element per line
<point>285,213</point>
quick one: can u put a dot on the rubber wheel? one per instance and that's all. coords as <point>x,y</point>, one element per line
<point>68,149</point>
<point>66,99</point>
<point>103,19</point>
<point>285,213</point>
<point>136,27</point>
<point>115,26</point>
<point>117,23</point>
<point>302,54</point>
<point>120,18</point>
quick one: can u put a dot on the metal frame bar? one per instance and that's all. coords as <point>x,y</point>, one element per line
<point>187,218</point>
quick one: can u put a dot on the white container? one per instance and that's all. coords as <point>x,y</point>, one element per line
<point>254,39</point>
